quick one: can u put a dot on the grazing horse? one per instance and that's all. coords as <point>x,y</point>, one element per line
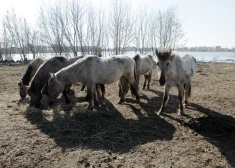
<point>176,71</point>
<point>94,70</point>
<point>144,66</point>
<point>41,77</point>
<point>29,73</point>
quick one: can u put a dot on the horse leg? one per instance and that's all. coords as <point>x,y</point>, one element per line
<point>145,81</point>
<point>96,92</point>
<point>124,85</point>
<point>90,95</point>
<point>83,87</point>
<point>102,88</point>
<point>119,89</point>
<point>165,98</point>
<point>149,80</point>
<point>187,92</point>
<point>65,94</point>
<point>135,89</point>
<point>180,97</point>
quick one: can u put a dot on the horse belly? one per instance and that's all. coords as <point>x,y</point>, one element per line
<point>108,76</point>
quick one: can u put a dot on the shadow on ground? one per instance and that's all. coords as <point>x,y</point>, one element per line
<point>104,129</point>
<point>216,128</point>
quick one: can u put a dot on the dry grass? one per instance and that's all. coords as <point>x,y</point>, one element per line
<point>129,135</point>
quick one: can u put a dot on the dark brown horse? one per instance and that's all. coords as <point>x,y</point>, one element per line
<point>29,73</point>
<point>42,75</point>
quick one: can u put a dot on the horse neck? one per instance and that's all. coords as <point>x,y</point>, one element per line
<point>177,64</point>
<point>27,76</point>
<point>70,74</point>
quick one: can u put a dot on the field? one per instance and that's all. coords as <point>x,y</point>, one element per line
<point>129,135</point>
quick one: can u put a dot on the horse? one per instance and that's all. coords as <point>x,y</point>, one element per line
<point>29,73</point>
<point>39,80</point>
<point>93,70</point>
<point>144,66</point>
<point>176,71</point>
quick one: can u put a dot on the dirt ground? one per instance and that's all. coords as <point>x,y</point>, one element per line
<point>129,135</point>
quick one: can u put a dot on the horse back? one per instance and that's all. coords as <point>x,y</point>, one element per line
<point>190,64</point>
<point>42,75</point>
<point>31,70</point>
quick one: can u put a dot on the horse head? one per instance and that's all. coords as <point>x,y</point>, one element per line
<point>23,89</point>
<point>55,87</point>
<point>163,63</point>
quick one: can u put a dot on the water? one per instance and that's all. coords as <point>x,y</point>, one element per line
<point>200,56</point>
<point>212,56</point>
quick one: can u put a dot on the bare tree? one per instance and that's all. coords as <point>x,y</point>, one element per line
<point>121,26</point>
<point>16,28</point>
<point>51,31</point>
<point>167,29</point>
<point>143,30</point>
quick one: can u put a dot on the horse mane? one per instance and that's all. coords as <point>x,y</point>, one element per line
<point>39,78</point>
<point>59,58</point>
<point>165,54</point>
<point>26,77</point>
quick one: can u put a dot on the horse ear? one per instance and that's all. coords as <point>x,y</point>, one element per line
<point>156,51</point>
<point>170,51</point>
<point>172,57</point>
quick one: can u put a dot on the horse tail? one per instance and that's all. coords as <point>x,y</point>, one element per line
<point>137,65</point>
<point>27,76</point>
<point>133,91</point>
<point>102,88</point>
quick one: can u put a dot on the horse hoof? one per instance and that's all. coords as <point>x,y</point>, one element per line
<point>51,103</point>
<point>120,102</point>
<point>180,113</point>
<point>97,104</point>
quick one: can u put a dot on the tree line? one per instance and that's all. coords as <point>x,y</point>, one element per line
<point>71,26</point>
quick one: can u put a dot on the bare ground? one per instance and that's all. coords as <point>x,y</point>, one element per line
<point>129,135</point>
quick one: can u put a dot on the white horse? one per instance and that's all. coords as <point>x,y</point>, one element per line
<point>144,66</point>
<point>92,70</point>
<point>176,71</point>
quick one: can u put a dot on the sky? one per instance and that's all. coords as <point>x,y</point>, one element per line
<point>205,22</point>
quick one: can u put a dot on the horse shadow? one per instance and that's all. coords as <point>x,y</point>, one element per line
<point>216,128</point>
<point>104,129</point>
<point>155,102</point>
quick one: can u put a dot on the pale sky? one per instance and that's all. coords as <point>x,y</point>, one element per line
<point>205,22</point>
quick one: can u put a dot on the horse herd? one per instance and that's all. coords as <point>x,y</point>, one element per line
<point>54,76</point>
